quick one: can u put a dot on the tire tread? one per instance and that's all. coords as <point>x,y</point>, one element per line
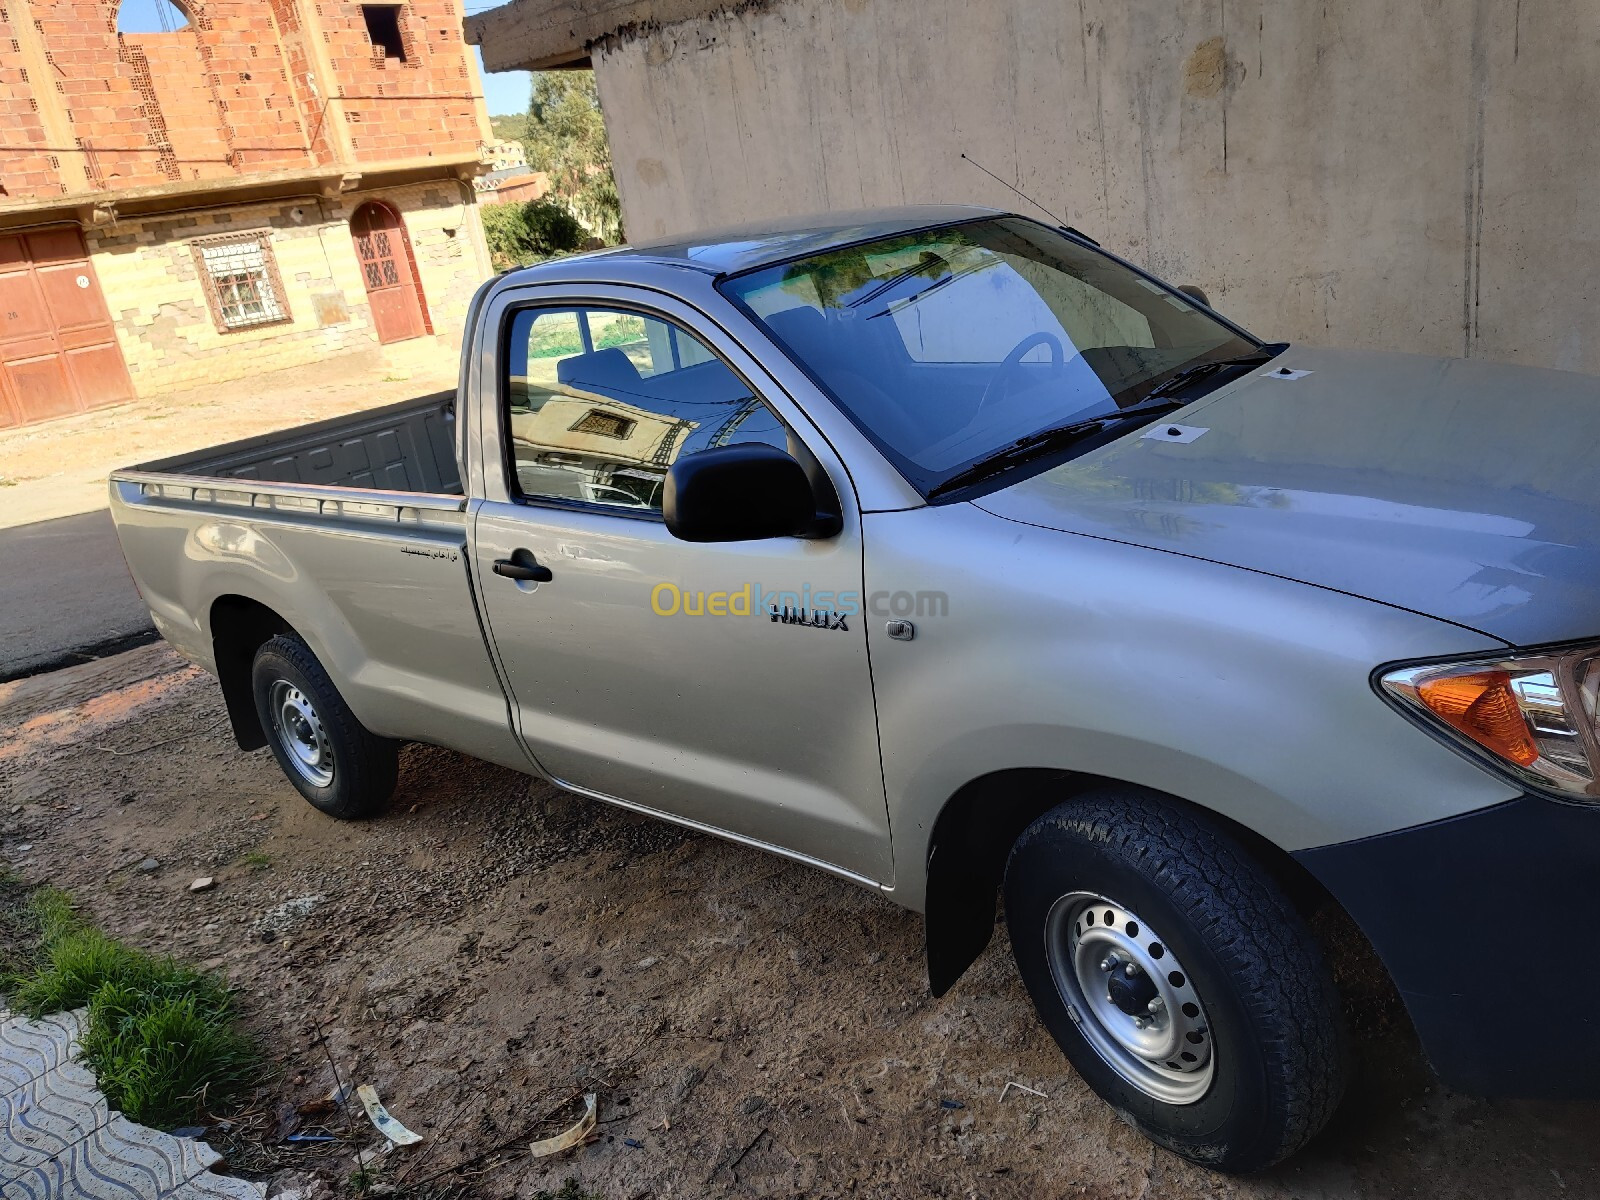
<point>371,764</point>
<point>1249,924</point>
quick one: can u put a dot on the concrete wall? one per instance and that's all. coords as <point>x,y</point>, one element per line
<point>165,328</point>
<point>1415,176</point>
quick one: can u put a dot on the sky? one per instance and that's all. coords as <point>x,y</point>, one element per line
<point>505,91</point>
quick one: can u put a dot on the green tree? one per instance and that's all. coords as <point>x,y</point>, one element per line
<point>519,234</point>
<point>566,138</point>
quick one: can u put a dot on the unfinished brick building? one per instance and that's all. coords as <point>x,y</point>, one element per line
<point>205,189</point>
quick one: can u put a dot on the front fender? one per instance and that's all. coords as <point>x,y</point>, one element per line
<point>1243,693</point>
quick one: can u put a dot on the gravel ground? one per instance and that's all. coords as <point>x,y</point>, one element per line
<point>493,948</point>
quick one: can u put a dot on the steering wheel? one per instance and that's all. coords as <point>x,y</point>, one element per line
<point>1003,373</point>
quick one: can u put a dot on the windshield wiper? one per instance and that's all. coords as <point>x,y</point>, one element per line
<point>1200,371</point>
<point>1046,441</point>
<point>928,262</point>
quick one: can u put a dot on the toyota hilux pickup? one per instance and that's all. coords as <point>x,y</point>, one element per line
<point>945,551</point>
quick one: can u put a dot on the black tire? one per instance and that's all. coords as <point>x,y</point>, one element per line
<point>362,768</point>
<point>1277,1051</point>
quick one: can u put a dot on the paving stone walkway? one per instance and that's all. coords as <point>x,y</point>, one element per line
<point>59,1140</point>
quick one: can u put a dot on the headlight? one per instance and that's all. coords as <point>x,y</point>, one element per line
<point>1533,715</point>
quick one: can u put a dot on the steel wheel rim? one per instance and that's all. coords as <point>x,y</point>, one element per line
<point>1164,1047</point>
<point>300,733</point>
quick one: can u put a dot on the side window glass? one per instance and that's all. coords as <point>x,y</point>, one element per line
<point>602,402</point>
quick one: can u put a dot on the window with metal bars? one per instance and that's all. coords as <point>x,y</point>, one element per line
<point>603,424</point>
<point>241,281</point>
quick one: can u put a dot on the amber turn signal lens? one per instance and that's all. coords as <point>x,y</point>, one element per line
<point>1483,707</point>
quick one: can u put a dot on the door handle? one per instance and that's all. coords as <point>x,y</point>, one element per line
<point>522,566</point>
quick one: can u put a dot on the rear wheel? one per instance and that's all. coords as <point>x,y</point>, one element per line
<point>1177,977</point>
<point>329,756</point>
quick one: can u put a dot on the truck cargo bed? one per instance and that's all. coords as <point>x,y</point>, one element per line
<point>405,447</point>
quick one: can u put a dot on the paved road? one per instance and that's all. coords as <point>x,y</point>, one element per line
<point>65,594</point>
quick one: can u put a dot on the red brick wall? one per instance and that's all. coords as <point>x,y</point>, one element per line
<point>313,114</point>
<point>407,109</point>
<point>232,93</point>
<point>517,191</point>
<point>26,167</point>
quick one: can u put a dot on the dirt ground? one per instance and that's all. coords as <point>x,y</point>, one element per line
<point>59,468</point>
<point>492,947</point>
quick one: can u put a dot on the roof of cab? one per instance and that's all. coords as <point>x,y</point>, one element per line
<point>741,248</point>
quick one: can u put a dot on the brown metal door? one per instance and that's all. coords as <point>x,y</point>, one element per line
<point>388,271</point>
<point>58,350</point>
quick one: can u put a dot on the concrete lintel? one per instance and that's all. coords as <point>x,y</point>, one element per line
<point>329,182</point>
<point>544,35</point>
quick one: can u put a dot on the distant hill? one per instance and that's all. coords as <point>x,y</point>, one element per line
<point>509,128</point>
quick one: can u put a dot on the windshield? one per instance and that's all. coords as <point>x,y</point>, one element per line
<point>949,344</point>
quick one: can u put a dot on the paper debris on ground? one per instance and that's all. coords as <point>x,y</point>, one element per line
<point>575,1136</point>
<point>386,1125</point>
<point>1021,1087</point>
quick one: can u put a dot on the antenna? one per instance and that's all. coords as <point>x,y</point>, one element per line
<point>1018,191</point>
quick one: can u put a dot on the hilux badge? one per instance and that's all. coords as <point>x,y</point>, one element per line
<point>817,618</point>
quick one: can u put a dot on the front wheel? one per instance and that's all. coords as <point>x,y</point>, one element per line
<point>333,760</point>
<point>1177,978</point>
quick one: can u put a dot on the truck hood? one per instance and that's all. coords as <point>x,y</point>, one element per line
<point>1467,491</point>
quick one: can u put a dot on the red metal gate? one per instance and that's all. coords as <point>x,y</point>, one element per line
<point>389,272</point>
<point>58,350</point>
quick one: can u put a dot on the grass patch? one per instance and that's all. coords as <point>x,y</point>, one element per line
<point>161,1036</point>
<point>255,859</point>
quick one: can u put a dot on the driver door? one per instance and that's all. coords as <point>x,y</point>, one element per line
<point>649,671</point>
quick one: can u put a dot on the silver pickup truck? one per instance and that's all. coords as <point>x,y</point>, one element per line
<point>947,552</point>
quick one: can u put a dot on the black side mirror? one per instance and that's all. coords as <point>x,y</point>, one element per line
<point>740,493</point>
<point>1195,293</point>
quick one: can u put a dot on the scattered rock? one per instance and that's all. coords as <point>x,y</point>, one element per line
<point>644,964</point>
<point>24,847</point>
<point>591,972</point>
<point>279,919</point>
<point>753,1104</point>
<point>687,1082</point>
<point>149,866</point>
<point>204,884</point>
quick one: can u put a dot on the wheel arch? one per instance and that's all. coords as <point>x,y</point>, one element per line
<point>977,826</point>
<point>239,627</point>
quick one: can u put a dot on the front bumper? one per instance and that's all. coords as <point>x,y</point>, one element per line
<point>1489,924</point>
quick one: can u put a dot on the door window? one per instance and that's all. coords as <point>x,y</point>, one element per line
<point>603,401</point>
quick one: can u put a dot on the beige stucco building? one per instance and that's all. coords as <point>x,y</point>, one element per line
<point>1413,176</point>
<point>239,186</point>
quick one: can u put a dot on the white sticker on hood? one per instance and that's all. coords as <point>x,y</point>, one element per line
<point>1164,432</point>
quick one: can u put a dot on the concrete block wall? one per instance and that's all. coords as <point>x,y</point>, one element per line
<point>157,300</point>
<point>1357,172</point>
<point>446,233</point>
